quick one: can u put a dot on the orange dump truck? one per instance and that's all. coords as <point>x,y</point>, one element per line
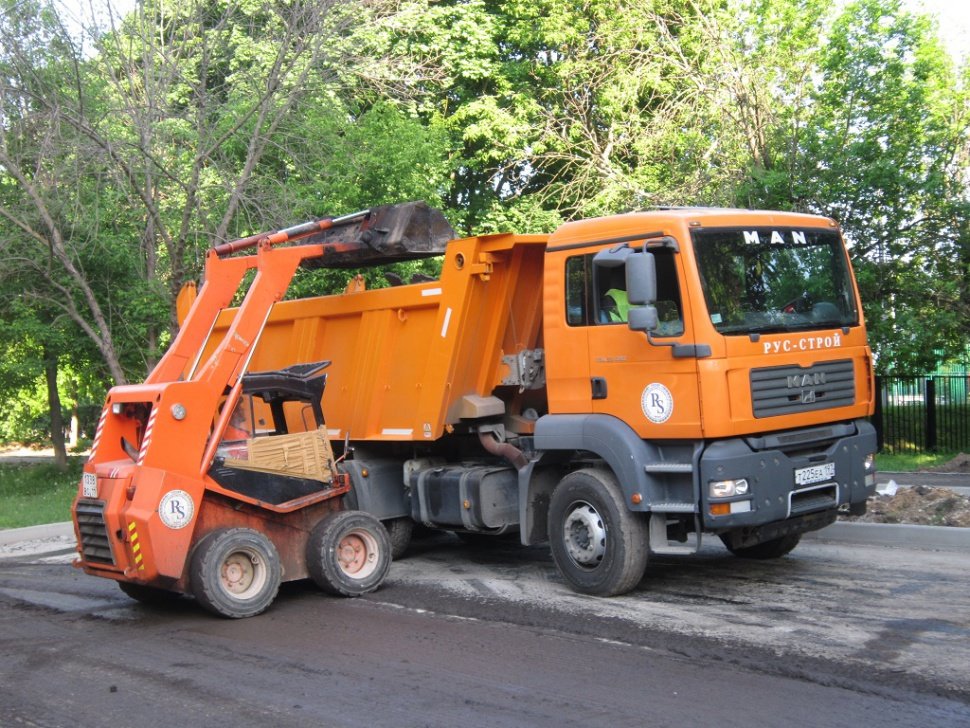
<point>618,388</point>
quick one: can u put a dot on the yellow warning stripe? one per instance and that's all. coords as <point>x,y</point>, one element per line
<point>135,546</point>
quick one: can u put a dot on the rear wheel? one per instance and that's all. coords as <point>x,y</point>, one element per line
<point>598,544</point>
<point>773,549</point>
<point>399,531</point>
<point>349,553</point>
<point>235,572</point>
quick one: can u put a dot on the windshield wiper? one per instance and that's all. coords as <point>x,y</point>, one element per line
<point>784,328</point>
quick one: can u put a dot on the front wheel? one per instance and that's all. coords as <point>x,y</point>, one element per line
<point>349,553</point>
<point>235,572</point>
<point>773,549</point>
<point>148,594</point>
<point>598,544</point>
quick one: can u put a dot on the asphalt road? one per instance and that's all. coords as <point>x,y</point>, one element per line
<point>832,635</point>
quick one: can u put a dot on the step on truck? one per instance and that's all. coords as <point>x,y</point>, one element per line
<point>620,388</point>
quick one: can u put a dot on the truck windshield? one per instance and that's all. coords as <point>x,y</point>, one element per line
<point>775,279</point>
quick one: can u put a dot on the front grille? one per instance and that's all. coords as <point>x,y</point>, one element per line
<point>95,543</point>
<point>791,389</point>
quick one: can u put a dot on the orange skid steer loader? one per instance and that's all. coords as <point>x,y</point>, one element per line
<point>212,480</point>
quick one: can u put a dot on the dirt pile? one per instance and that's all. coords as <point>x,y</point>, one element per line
<point>922,505</point>
<point>959,464</point>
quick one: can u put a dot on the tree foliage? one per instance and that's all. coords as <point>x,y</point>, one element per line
<point>130,145</point>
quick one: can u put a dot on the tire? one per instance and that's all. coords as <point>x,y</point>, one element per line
<point>349,553</point>
<point>399,531</point>
<point>773,549</point>
<point>148,594</point>
<point>599,546</point>
<point>235,573</point>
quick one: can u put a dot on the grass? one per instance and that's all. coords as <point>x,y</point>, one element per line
<point>909,462</point>
<point>35,494</point>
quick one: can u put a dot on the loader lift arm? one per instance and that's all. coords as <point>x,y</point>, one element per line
<point>379,235</point>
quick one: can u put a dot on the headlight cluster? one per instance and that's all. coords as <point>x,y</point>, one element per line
<point>728,488</point>
<point>870,474</point>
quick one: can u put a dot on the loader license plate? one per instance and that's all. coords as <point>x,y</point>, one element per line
<point>815,474</point>
<point>89,485</point>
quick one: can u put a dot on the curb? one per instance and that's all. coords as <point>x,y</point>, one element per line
<point>32,533</point>
<point>902,535</point>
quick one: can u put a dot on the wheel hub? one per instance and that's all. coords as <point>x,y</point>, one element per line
<point>584,535</point>
<point>357,553</point>
<point>242,572</point>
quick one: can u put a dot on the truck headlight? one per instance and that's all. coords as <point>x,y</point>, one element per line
<point>728,488</point>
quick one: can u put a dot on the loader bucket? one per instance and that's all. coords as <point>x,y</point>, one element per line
<point>392,233</point>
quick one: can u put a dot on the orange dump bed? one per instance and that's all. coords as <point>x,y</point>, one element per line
<point>407,361</point>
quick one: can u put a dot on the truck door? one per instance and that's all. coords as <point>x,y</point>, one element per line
<point>642,383</point>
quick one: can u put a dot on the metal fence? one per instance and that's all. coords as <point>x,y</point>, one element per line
<point>923,414</point>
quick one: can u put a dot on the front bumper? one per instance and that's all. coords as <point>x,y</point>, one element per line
<point>769,464</point>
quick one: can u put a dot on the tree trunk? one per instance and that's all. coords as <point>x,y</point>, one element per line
<point>75,431</point>
<point>57,417</point>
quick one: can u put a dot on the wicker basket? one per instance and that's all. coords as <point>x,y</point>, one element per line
<point>299,454</point>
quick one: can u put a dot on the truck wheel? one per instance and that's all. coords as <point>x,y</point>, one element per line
<point>148,594</point>
<point>349,553</point>
<point>399,531</point>
<point>235,572</point>
<point>773,549</point>
<point>599,546</point>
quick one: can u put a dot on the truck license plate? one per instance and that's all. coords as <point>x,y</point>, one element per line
<point>89,485</point>
<point>814,474</point>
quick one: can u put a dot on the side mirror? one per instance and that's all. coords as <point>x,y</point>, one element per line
<point>641,280</point>
<point>643,318</point>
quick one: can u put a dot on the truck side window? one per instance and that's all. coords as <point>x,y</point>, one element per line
<point>612,304</point>
<point>578,285</point>
<point>670,311</point>
<point>599,297</point>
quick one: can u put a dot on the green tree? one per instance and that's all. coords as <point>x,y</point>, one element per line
<point>125,156</point>
<point>876,137</point>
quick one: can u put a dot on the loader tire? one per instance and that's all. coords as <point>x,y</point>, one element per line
<point>235,573</point>
<point>598,544</point>
<point>349,553</point>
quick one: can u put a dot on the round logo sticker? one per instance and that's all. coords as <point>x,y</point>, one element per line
<point>176,509</point>
<point>657,403</point>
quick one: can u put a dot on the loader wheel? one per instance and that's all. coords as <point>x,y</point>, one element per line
<point>399,530</point>
<point>349,553</point>
<point>148,594</point>
<point>599,546</point>
<point>235,572</point>
<point>773,549</point>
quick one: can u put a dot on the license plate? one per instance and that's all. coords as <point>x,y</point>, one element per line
<point>89,485</point>
<point>815,474</point>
